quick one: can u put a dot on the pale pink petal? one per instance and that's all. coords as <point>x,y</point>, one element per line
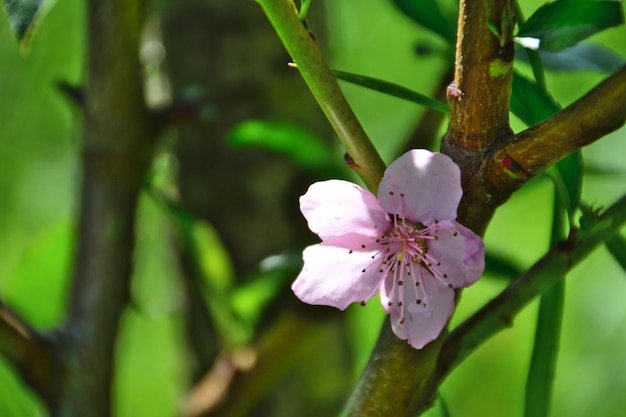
<point>420,329</point>
<point>338,272</point>
<point>336,208</point>
<point>422,186</point>
<point>474,257</point>
<point>460,252</point>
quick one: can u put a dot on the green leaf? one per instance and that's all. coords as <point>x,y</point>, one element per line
<point>443,406</point>
<point>583,56</point>
<point>498,265</point>
<point>543,362</point>
<point>392,89</point>
<point>617,248</point>
<point>561,24</point>
<point>301,145</point>
<point>569,181</point>
<point>25,16</point>
<point>439,16</point>
<point>529,102</point>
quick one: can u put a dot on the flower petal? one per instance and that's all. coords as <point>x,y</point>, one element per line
<point>338,272</point>
<point>460,252</point>
<point>474,259</point>
<point>336,208</point>
<point>420,329</point>
<point>430,184</point>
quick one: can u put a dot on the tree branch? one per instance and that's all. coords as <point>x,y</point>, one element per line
<point>306,54</point>
<point>117,148</point>
<point>398,379</point>
<point>600,111</point>
<point>29,352</point>
<point>500,312</point>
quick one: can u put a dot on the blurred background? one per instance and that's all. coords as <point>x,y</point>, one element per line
<point>212,319</point>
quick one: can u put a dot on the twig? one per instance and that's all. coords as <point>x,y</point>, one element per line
<point>30,353</point>
<point>500,312</point>
<point>600,111</point>
<point>311,64</point>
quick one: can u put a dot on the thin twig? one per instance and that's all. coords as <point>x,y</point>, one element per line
<point>29,352</point>
<point>310,62</point>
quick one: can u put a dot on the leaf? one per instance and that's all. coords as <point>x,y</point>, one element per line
<point>25,16</point>
<point>562,24</point>
<point>496,264</point>
<point>545,352</point>
<point>529,102</point>
<point>583,56</point>
<point>298,143</point>
<point>617,248</point>
<point>570,181</point>
<point>439,16</point>
<point>392,89</point>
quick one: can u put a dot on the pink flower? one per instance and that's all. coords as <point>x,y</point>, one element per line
<point>405,244</point>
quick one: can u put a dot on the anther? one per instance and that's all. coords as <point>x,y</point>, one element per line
<point>362,303</point>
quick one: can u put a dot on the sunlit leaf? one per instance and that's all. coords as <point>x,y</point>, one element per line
<point>298,143</point>
<point>561,24</point>
<point>391,89</point>
<point>251,299</point>
<point>439,16</point>
<point>25,16</point>
<point>583,56</point>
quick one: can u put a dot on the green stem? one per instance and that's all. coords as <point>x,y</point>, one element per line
<point>306,54</point>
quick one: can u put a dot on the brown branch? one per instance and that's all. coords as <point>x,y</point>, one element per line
<point>479,98</point>
<point>29,352</point>
<point>600,111</point>
<point>117,148</point>
<point>399,380</point>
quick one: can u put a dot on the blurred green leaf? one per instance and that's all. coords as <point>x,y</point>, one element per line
<point>439,16</point>
<point>617,247</point>
<point>530,102</point>
<point>38,287</point>
<point>561,24</point>
<point>392,89</point>
<point>583,56</point>
<point>250,299</point>
<point>24,17</point>
<point>496,264</point>
<point>443,407</point>
<point>296,142</point>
